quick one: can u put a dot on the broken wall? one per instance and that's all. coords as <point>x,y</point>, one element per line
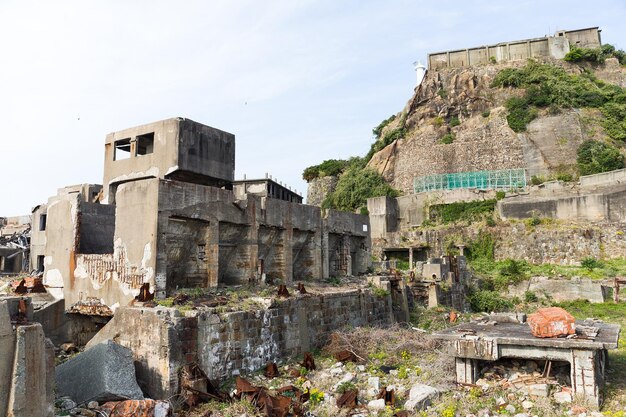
<point>224,344</point>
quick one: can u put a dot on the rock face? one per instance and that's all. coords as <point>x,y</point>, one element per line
<point>319,188</point>
<point>105,372</point>
<point>483,139</point>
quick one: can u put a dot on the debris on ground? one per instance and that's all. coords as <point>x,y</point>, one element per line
<point>106,372</point>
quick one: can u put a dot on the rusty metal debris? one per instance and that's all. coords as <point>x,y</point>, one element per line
<point>388,395</point>
<point>308,362</point>
<point>402,413</point>
<point>196,386</point>
<point>287,402</point>
<point>345,356</point>
<point>301,288</point>
<point>348,399</point>
<point>28,285</point>
<point>271,370</point>
<point>282,291</point>
<point>91,306</point>
<point>136,408</point>
<point>144,293</point>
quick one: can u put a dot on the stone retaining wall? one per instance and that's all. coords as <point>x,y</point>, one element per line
<point>227,344</point>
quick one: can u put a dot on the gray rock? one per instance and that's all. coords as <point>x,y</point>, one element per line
<point>65,404</point>
<point>105,372</point>
<point>420,396</point>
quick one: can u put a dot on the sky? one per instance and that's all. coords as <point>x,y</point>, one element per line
<point>296,81</point>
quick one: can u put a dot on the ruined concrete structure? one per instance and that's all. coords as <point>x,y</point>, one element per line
<point>173,221</point>
<point>549,46</point>
<point>265,187</point>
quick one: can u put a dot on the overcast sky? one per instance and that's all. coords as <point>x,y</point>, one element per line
<point>296,81</point>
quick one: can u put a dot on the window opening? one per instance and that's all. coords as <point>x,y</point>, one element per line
<point>42,222</point>
<point>122,149</point>
<point>145,144</point>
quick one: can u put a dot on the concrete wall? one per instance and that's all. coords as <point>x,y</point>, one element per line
<point>37,237</point>
<point>182,149</point>
<point>560,290</point>
<point>606,204</point>
<point>606,178</point>
<point>226,344</point>
<point>551,46</point>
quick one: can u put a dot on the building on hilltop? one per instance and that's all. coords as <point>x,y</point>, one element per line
<point>172,220</point>
<point>555,46</point>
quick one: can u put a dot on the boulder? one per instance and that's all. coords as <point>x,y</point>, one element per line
<point>420,396</point>
<point>105,372</point>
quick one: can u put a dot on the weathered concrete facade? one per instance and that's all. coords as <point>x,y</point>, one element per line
<point>226,344</point>
<point>176,148</point>
<point>549,46</point>
<point>265,187</point>
<point>172,228</point>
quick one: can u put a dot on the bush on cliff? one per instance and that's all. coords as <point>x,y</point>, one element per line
<point>355,186</point>
<point>595,157</point>
<point>550,86</point>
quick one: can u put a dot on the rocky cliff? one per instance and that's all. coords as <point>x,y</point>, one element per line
<point>456,122</point>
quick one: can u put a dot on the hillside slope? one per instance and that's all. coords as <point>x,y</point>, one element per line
<point>457,122</point>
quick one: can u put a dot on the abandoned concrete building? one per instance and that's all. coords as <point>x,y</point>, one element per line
<point>167,217</point>
<point>549,46</point>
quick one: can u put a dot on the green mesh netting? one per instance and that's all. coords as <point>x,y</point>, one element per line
<point>502,179</point>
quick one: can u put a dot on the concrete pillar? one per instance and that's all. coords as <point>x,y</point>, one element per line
<point>433,295</point>
<point>31,394</point>
<point>288,246</point>
<point>7,352</point>
<point>213,254</point>
<point>466,370</point>
<point>583,375</point>
<point>325,255</point>
<point>410,258</point>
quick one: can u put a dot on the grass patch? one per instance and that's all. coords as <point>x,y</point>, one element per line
<point>462,211</point>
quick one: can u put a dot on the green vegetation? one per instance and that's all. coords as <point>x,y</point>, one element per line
<point>537,180</point>
<point>462,211</point>
<point>520,113</point>
<point>488,300</point>
<point>325,169</point>
<point>590,263</point>
<point>355,186</point>
<point>454,122</point>
<point>486,113</point>
<point>500,195</point>
<point>595,55</point>
<point>594,157</point>
<point>550,86</point>
<point>388,139</point>
<point>448,138</point>
<point>378,130</point>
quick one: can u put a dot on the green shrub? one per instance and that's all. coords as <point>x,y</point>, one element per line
<point>327,168</point>
<point>448,138</point>
<point>355,186</point>
<point>530,297</point>
<point>537,180</point>
<point>493,59</point>
<point>533,221</point>
<point>500,195</point>
<point>552,87</point>
<point>590,263</point>
<point>462,210</point>
<point>486,113</point>
<point>482,247</point>
<point>454,122</point>
<point>510,272</point>
<point>565,177</point>
<point>520,113</point>
<point>595,55</point>
<point>442,93</point>
<point>594,157</point>
<point>378,130</point>
<point>488,301</point>
<point>490,222</point>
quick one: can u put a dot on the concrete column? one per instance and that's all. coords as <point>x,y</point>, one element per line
<point>288,246</point>
<point>448,58</point>
<point>31,394</point>
<point>213,254</point>
<point>433,295</point>
<point>410,258</point>
<point>466,370</point>
<point>7,353</point>
<point>325,255</point>
<point>467,53</point>
<point>583,375</point>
